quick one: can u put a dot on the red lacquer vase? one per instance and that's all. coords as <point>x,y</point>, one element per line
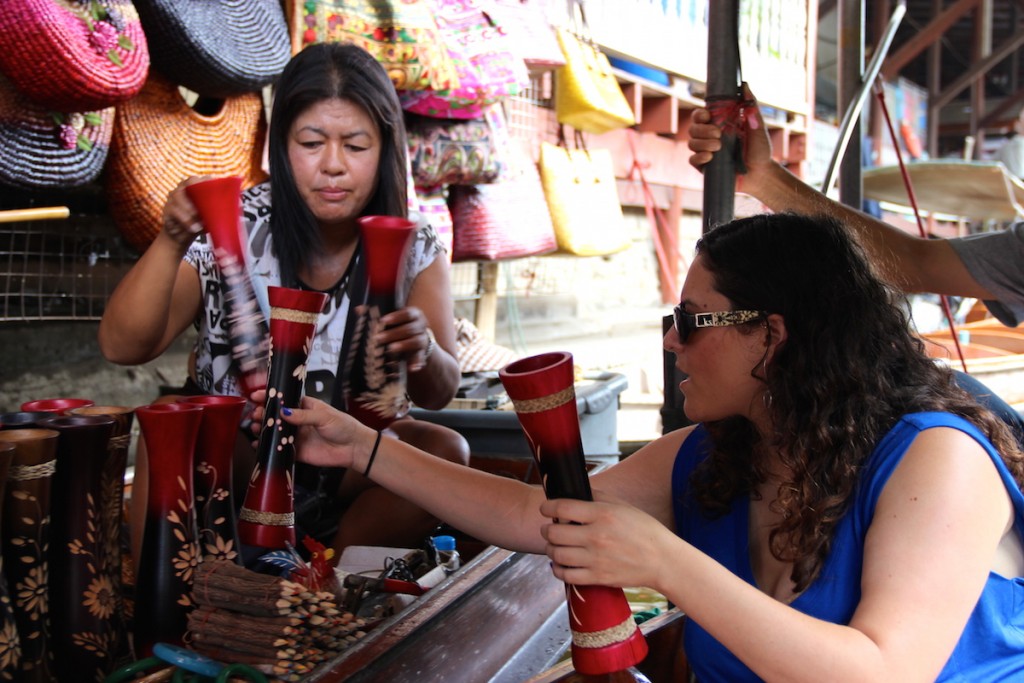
<point>605,637</point>
<point>216,520</point>
<point>116,560</point>
<point>267,517</point>
<point>218,202</point>
<point>375,381</point>
<point>26,541</point>
<point>55,405</point>
<point>83,623</point>
<point>10,644</point>
<point>169,554</point>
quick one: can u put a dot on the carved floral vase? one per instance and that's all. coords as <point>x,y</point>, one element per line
<point>26,542</point>
<point>10,644</point>
<point>115,559</point>
<point>212,477</point>
<point>169,554</point>
<point>84,623</point>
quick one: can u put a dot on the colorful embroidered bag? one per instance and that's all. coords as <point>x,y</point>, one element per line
<point>485,60</point>
<point>451,151</point>
<point>401,34</point>
<point>529,28</point>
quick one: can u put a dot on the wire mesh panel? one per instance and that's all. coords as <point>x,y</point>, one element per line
<point>60,269</point>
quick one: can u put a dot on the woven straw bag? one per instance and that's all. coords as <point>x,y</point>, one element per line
<point>218,49</point>
<point>507,219</point>
<point>579,185</point>
<point>73,56</point>
<point>159,141</point>
<point>44,149</point>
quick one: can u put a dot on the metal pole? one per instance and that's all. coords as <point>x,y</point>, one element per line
<point>722,83</point>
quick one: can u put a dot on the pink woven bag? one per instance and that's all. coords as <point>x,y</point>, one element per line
<point>485,58</point>
<point>73,56</point>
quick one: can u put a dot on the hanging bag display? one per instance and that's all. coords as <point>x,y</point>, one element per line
<point>401,34</point>
<point>217,49</point>
<point>450,151</point>
<point>587,94</point>
<point>579,185</point>
<point>45,149</point>
<point>506,219</point>
<point>432,204</point>
<point>159,140</point>
<point>73,56</point>
<point>485,60</point>
<point>529,28</point>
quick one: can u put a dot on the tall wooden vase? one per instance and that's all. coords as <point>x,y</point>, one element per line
<point>267,517</point>
<point>218,202</point>
<point>212,477</point>
<point>85,628</point>
<point>375,381</point>
<point>10,644</point>
<point>169,554</point>
<point>605,637</point>
<point>26,541</point>
<point>115,559</point>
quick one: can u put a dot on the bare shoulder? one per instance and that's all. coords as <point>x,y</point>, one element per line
<point>948,468</point>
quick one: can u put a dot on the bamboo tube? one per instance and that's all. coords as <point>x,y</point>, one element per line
<point>45,213</point>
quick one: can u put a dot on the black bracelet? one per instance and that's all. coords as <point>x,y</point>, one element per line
<point>373,454</point>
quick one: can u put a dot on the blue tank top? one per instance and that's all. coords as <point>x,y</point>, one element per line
<point>991,647</point>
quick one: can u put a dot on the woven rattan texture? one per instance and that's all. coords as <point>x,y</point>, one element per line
<point>159,141</point>
<point>62,59</point>
<point>219,48</point>
<point>47,149</point>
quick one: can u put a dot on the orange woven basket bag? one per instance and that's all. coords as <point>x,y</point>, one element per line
<point>159,140</point>
<point>73,56</point>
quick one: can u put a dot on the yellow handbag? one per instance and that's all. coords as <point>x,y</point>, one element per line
<point>587,94</point>
<point>579,186</point>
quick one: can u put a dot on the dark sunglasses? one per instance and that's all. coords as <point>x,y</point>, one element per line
<point>687,323</point>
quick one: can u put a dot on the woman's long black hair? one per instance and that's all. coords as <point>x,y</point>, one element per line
<point>848,370</point>
<point>322,72</point>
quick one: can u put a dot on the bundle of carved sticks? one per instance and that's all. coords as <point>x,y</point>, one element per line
<point>268,622</point>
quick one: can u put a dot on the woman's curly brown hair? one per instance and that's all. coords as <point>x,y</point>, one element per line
<point>848,370</point>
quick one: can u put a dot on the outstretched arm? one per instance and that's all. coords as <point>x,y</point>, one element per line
<point>497,510</point>
<point>159,297</point>
<point>911,263</point>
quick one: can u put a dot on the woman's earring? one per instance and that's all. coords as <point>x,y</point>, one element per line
<point>766,398</point>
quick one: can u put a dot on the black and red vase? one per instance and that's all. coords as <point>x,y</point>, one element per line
<point>605,637</point>
<point>374,380</point>
<point>267,517</point>
<point>169,553</point>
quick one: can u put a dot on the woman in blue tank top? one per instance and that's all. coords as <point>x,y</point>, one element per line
<point>840,512</point>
